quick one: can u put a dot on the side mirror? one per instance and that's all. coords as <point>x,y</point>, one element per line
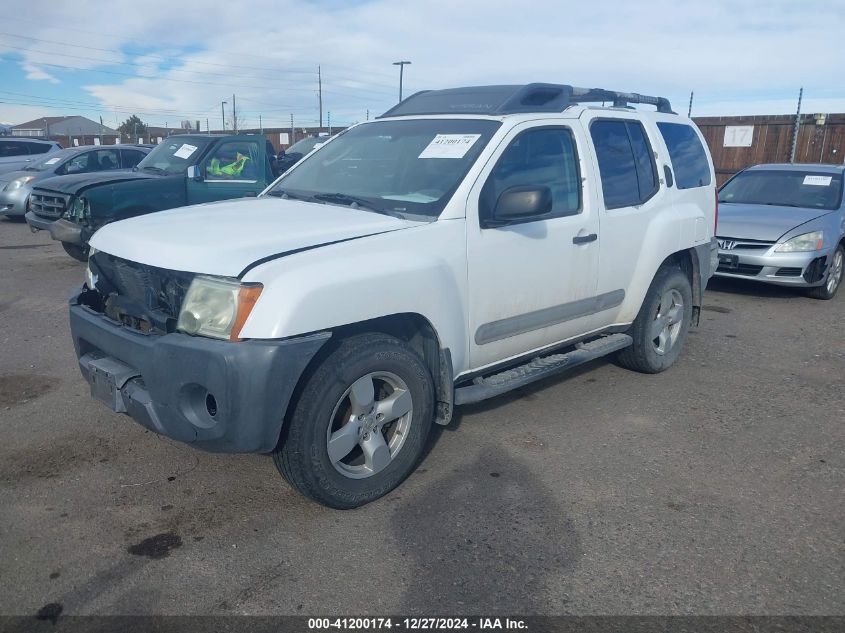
<point>521,203</point>
<point>195,173</point>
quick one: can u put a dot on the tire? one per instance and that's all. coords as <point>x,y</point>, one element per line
<point>833,279</point>
<point>322,453</point>
<point>79,253</point>
<point>669,295</point>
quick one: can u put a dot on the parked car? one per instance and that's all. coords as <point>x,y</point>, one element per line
<point>468,242</point>
<point>184,169</point>
<point>784,224</point>
<point>16,152</point>
<point>289,157</point>
<point>16,186</point>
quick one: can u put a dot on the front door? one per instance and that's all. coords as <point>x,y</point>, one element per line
<point>532,283</point>
<point>233,169</point>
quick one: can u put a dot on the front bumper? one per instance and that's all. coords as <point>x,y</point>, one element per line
<point>61,230</point>
<point>13,202</point>
<point>802,270</point>
<point>217,395</point>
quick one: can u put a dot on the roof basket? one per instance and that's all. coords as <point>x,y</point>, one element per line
<point>498,100</point>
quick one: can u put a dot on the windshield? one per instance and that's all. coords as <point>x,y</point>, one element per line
<point>51,160</point>
<point>793,188</point>
<point>306,145</point>
<point>174,155</point>
<point>408,167</point>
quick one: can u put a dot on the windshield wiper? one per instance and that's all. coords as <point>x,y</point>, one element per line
<point>281,193</point>
<point>353,201</point>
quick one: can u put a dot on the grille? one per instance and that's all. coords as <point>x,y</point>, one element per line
<point>736,243</point>
<point>788,272</point>
<point>742,269</point>
<point>48,204</point>
<point>141,297</point>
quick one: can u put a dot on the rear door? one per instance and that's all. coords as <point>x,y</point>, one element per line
<point>234,168</point>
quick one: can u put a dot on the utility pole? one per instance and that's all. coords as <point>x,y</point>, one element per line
<point>689,110</point>
<point>797,126</point>
<point>234,115</point>
<point>206,125</point>
<point>368,114</point>
<point>101,129</point>
<point>223,113</point>
<point>401,72</point>
<point>292,132</point>
<point>320,93</point>
<point>260,125</point>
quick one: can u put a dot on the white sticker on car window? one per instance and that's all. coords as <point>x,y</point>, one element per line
<point>819,181</point>
<point>449,146</point>
<point>185,151</point>
<point>52,161</point>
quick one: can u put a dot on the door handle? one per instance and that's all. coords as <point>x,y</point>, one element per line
<point>584,239</point>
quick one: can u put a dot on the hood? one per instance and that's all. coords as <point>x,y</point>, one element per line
<point>762,221</point>
<point>9,176</point>
<point>75,183</point>
<point>224,238</point>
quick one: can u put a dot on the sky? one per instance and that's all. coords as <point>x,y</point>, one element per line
<point>168,63</point>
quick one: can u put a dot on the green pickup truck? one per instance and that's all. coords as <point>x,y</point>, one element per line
<point>184,169</point>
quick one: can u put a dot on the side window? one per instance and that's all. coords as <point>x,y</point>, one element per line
<point>689,159</point>
<point>106,159</point>
<point>131,157</point>
<point>234,160</point>
<point>543,156</point>
<point>39,148</point>
<point>625,160</point>
<point>12,148</point>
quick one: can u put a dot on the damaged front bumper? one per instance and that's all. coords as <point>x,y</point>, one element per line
<point>61,230</point>
<point>218,395</point>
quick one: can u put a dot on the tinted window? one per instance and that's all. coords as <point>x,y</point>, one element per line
<point>688,156</point>
<point>39,148</point>
<point>544,157</point>
<point>626,163</point>
<point>132,157</point>
<point>12,148</point>
<point>785,188</point>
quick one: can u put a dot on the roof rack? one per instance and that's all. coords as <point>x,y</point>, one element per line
<point>497,100</point>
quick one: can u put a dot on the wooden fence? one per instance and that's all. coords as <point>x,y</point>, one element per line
<point>821,139</point>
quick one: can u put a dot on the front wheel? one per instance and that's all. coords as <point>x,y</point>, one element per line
<point>834,277</point>
<point>79,253</point>
<point>661,327</point>
<point>360,424</point>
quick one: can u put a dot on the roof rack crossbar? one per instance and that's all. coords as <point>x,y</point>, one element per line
<point>498,100</point>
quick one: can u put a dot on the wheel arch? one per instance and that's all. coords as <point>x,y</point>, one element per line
<point>687,260</point>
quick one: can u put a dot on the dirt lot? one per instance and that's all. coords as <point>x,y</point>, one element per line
<point>716,487</point>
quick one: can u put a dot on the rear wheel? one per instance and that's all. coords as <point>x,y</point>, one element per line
<point>661,327</point>
<point>834,276</point>
<point>360,424</point>
<point>76,251</point>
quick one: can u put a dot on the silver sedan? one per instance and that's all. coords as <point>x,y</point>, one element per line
<point>784,224</point>
<point>16,186</point>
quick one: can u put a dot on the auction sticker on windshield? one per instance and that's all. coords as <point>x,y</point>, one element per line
<point>449,146</point>
<point>185,151</point>
<point>823,181</point>
<point>52,161</point>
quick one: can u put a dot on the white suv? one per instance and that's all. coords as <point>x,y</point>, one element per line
<point>467,242</point>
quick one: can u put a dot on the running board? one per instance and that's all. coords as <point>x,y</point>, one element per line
<point>539,368</point>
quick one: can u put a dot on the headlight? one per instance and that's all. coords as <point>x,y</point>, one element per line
<point>807,242</point>
<point>17,183</point>
<point>90,277</point>
<point>217,307</point>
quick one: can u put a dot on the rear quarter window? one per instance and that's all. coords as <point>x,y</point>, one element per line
<point>39,148</point>
<point>689,159</point>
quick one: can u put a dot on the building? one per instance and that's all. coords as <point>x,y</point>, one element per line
<point>62,127</point>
